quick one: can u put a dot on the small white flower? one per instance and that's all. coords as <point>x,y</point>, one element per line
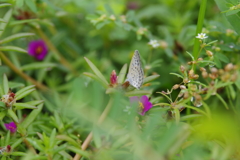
<point>154,43</point>
<point>201,36</point>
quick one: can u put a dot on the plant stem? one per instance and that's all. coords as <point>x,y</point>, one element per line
<point>90,135</point>
<point>199,28</point>
<point>62,60</point>
<point>20,73</point>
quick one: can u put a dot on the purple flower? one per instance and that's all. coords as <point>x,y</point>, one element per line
<point>37,49</point>
<point>144,103</point>
<point>11,127</point>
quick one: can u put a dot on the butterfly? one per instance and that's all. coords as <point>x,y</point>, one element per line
<point>135,72</point>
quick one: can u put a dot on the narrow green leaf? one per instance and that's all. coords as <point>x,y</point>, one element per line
<point>32,5</point>
<point>52,138</point>
<point>31,117</point>
<point>13,115</point>
<point>137,93</point>
<point>2,20</point>
<point>38,65</point>
<point>195,108</point>
<point>169,99</point>
<point>15,36</point>
<point>3,114</point>
<point>191,116</point>
<point>5,84</point>
<point>68,139</point>
<point>13,48</point>
<point>222,100</point>
<point>2,104</point>
<point>96,71</point>
<point>177,115</point>
<point>5,5</point>
<point>6,18</point>
<point>21,91</point>
<point>22,154</point>
<point>78,150</point>
<point>19,22</point>
<point>16,143</point>
<point>176,74</point>
<point>122,74</point>
<point>150,78</point>
<point>24,106</point>
<point>93,76</point>
<point>35,103</point>
<point>212,42</point>
<point>7,140</point>
<point>19,3</point>
<point>191,56</point>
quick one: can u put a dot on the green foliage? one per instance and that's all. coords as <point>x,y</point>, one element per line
<point>71,105</point>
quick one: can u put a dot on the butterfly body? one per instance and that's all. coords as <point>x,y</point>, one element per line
<point>135,73</point>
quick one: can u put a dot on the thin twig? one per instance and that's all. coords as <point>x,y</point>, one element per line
<point>20,73</point>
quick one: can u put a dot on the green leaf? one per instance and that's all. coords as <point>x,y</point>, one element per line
<point>137,93</point>
<point>22,154</point>
<point>122,74</point>
<point>23,90</point>
<point>4,5</point>
<point>232,92</point>
<point>38,65</point>
<point>31,4</point>
<point>23,22</point>
<point>24,94</point>
<point>2,20</point>
<point>195,108</point>
<point>13,115</point>
<point>19,3</point>
<point>191,56</point>
<point>93,76</point>
<point>7,140</point>
<point>16,143</point>
<point>222,57</point>
<point>52,138</point>
<point>32,116</point>
<point>176,74</point>
<point>212,42</point>
<point>177,115</point>
<point>78,150</point>
<point>35,103</point>
<point>68,139</point>
<point>96,71</point>
<point>13,48</point>
<point>15,36</point>
<point>233,19</point>
<point>150,78</point>
<point>3,114</point>
<point>5,84</point>
<point>6,18</point>
<point>24,106</point>
<point>222,100</point>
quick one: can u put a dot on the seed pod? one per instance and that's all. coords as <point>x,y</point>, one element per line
<point>209,53</point>
<point>186,80</point>
<point>214,70</point>
<point>196,76</point>
<point>204,74</point>
<point>229,67</point>
<point>182,69</point>
<point>200,59</point>
<point>176,86</point>
<point>182,87</point>
<point>202,69</point>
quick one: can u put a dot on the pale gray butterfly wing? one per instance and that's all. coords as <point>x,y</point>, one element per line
<point>135,72</point>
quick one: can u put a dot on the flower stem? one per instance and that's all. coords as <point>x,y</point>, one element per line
<point>61,59</point>
<point>199,28</point>
<point>20,73</point>
<point>90,135</point>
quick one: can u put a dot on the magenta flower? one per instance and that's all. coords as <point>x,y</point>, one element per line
<point>144,104</point>
<point>11,127</point>
<point>37,49</point>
